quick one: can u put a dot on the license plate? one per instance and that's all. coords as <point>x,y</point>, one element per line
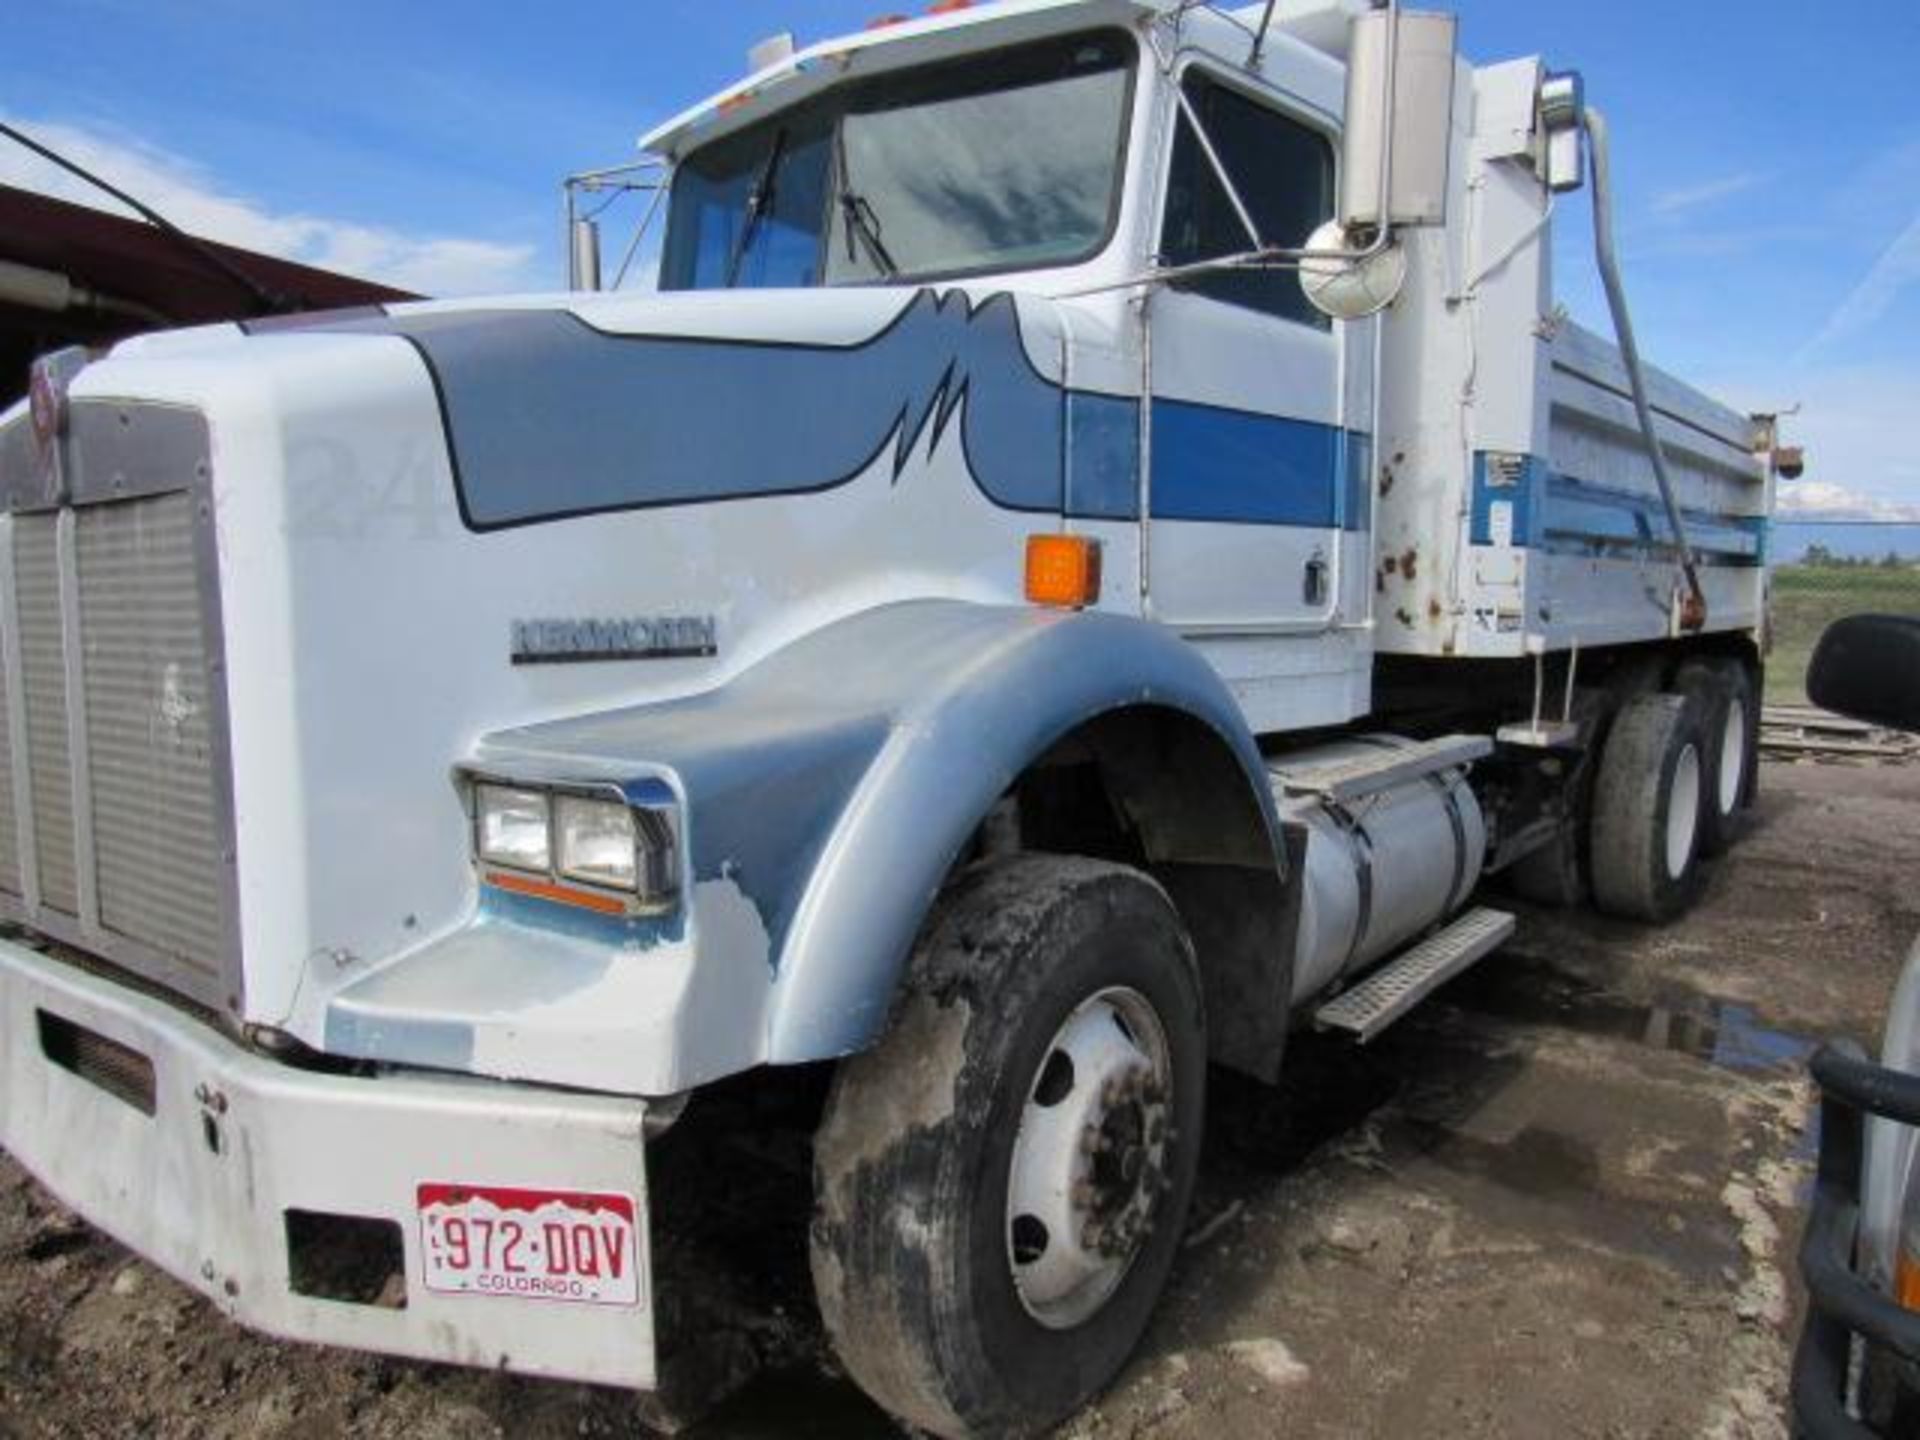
<point>565,1245</point>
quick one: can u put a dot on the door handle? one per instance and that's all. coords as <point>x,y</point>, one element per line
<point>1314,580</point>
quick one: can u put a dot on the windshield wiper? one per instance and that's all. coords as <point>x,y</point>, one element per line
<point>759,201</point>
<point>863,223</point>
<point>857,214</point>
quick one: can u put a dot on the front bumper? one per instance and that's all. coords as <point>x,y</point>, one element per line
<point>1841,1304</point>
<point>192,1151</point>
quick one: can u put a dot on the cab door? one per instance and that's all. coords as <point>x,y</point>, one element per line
<point>1254,472</point>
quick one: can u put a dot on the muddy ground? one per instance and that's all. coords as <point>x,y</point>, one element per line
<point>1560,1201</point>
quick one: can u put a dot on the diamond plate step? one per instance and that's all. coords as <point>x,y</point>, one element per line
<point>1403,982</point>
<point>1369,774</point>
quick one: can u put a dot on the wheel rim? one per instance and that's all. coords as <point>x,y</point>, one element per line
<point>1683,812</point>
<point>1089,1159</point>
<point>1733,755</point>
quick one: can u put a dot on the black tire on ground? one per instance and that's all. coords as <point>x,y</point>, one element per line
<point>913,1242</point>
<point>1649,795</point>
<point>1719,688</point>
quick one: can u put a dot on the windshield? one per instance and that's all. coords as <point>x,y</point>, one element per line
<point>999,162</point>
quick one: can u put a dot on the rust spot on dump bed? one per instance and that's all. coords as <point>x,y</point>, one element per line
<point>1409,562</point>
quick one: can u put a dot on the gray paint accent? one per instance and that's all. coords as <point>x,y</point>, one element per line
<point>547,417</point>
<point>839,807</point>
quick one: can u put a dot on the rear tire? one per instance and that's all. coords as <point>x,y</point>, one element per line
<point>1725,699</point>
<point>1000,1184</point>
<point>1649,798</point>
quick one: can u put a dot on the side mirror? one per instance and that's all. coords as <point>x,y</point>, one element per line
<point>1400,71</point>
<point>1868,667</point>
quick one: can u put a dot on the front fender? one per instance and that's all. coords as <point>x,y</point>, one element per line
<point>836,782</point>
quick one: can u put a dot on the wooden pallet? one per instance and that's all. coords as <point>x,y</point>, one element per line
<point>1808,732</point>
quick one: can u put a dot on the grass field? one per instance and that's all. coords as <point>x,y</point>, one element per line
<point>1807,597</point>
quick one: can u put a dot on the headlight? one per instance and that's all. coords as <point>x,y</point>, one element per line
<point>510,827</point>
<point>596,842</point>
<point>615,851</point>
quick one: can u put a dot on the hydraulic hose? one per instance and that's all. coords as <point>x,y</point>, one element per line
<point>1693,611</point>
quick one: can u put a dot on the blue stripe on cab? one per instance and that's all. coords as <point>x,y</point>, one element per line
<point>1212,464</point>
<point>1103,456</point>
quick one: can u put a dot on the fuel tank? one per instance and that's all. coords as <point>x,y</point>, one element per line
<point>1380,868</point>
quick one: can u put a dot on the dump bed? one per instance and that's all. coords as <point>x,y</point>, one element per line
<point>1517,505</point>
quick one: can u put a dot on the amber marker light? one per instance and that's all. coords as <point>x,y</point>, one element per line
<point>559,894</point>
<point>1063,570</point>
<point>1906,1284</point>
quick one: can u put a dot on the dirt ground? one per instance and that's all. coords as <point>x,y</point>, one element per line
<point>1561,1200</point>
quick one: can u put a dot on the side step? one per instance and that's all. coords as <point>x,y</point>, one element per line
<point>1403,982</point>
<point>1369,774</point>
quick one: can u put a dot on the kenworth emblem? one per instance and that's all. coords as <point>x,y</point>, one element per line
<point>662,637</point>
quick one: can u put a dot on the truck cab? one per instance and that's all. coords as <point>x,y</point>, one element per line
<point>1096,545</point>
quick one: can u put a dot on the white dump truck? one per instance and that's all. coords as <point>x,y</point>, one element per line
<point>1099,547</point>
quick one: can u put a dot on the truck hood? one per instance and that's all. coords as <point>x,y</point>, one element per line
<point>436,522</point>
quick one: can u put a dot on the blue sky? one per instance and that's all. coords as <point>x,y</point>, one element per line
<point>1768,160</point>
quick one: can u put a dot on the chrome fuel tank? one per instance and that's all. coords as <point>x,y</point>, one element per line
<point>1381,868</point>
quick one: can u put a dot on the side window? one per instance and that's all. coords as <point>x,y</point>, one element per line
<point>1283,172</point>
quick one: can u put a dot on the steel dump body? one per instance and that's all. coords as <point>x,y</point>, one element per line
<point>1517,508</point>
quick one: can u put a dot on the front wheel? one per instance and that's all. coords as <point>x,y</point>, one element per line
<point>1001,1183</point>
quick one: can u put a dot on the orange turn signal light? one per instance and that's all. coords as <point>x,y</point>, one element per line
<point>559,894</point>
<point>1906,1280</point>
<point>1063,570</point>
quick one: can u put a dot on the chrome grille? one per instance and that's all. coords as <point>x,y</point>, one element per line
<point>120,843</point>
<point>36,590</point>
<point>149,743</point>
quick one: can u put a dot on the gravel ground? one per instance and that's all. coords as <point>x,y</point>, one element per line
<point>1561,1200</point>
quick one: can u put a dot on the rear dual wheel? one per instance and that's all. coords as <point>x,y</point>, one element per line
<point>1650,800</point>
<point>1001,1183</point>
<point>1723,692</point>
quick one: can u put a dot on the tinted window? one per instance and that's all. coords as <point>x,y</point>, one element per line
<point>714,192</point>
<point>1283,172</point>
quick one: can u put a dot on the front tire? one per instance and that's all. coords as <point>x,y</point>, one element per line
<point>1001,1183</point>
<point>1649,799</point>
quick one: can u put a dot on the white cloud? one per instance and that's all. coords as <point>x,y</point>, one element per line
<point>1693,197</point>
<point>197,202</point>
<point>1824,500</point>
